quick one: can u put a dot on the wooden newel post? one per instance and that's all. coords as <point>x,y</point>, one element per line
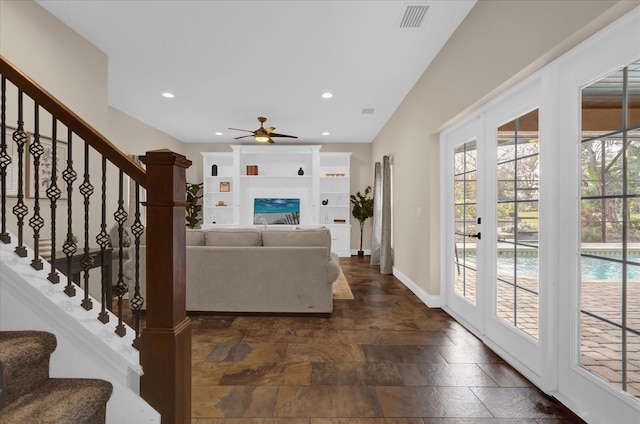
<point>165,343</point>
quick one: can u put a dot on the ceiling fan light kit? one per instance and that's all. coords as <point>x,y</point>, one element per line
<point>262,134</point>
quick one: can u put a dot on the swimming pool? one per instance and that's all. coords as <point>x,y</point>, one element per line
<point>592,269</point>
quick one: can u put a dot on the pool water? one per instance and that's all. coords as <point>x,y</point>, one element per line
<point>592,269</point>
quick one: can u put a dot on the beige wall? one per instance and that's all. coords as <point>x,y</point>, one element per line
<point>75,72</point>
<point>56,57</point>
<point>498,44</point>
<point>361,173</point>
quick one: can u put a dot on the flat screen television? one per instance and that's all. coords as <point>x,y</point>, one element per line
<point>276,211</point>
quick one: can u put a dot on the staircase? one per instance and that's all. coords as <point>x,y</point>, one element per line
<point>27,394</point>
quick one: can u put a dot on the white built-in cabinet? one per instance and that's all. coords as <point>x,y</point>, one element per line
<point>319,180</point>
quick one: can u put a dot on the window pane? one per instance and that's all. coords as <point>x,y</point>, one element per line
<point>634,94</point>
<point>504,301</point>
<point>633,364</point>
<point>633,166</point>
<point>506,221</point>
<point>613,166</point>
<point>527,312</point>
<point>600,349</point>
<point>592,178</point>
<point>602,105</point>
<point>600,276</point>
<point>633,223</point>
<point>506,148</point>
<point>506,181</point>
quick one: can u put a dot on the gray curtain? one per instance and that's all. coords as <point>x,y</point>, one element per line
<point>376,234</point>
<point>386,253</point>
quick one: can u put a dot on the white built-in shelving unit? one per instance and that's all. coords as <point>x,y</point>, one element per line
<point>319,180</point>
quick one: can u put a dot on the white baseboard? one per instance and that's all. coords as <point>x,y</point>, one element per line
<point>428,299</point>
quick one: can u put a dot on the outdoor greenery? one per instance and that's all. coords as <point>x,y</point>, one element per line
<point>603,176</point>
<point>193,207</point>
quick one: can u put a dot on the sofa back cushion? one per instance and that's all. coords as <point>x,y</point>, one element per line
<point>300,237</point>
<point>195,237</point>
<point>233,237</point>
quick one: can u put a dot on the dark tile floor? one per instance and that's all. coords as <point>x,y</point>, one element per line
<point>383,357</point>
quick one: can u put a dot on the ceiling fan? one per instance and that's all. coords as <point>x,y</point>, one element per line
<point>262,134</point>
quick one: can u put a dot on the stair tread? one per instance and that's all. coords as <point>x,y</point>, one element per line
<point>19,347</point>
<point>24,362</point>
<point>61,401</point>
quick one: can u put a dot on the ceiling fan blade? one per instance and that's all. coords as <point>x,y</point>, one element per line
<point>238,129</point>
<point>268,130</point>
<point>242,136</point>
<point>271,140</point>
<point>282,135</point>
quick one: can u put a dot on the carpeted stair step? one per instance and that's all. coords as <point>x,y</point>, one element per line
<point>24,362</point>
<point>61,401</point>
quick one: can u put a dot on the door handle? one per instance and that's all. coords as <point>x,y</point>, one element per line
<point>476,235</point>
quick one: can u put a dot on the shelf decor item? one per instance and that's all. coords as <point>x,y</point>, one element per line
<point>300,171</point>
<point>252,169</point>
<point>225,186</point>
<point>214,170</point>
<point>362,210</point>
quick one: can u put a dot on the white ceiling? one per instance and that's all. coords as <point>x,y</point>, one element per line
<point>228,62</point>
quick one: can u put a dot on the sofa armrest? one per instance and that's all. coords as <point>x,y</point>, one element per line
<point>333,268</point>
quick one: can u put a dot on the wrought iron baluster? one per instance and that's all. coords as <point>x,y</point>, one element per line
<point>53,193</point>
<point>86,189</point>
<point>70,247</point>
<point>20,210</point>
<point>121,287</point>
<point>36,222</point>
<point>5,160</point>
<point>135,303</point>
<point>103,241</point>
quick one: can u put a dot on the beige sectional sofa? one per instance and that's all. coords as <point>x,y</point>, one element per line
<point>255,270</point>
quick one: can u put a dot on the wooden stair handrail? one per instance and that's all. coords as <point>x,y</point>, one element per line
<point>72,121</point>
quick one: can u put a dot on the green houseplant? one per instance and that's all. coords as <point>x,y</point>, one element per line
<point>193,207</point>
<point>362,210</point>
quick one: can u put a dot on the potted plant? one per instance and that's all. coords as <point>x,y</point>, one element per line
<point>193,208</point>
<point>362,210</point>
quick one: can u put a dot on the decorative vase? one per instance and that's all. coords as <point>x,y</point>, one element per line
<point>214,170</point>
<point>300,171</point>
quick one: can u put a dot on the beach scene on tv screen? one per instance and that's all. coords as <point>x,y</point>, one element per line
<point>269,211</point>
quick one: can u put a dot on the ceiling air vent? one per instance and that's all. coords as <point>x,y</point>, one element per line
<point>368,111</point>
<point>413,16</point>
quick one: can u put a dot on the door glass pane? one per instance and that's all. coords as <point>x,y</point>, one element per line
<point>610,230</point>
<point>602,105</point>
<point>633,89</point>
<point>465,213</point>
<point>517,184</point>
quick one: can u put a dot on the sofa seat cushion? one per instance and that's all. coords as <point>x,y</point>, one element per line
<point>233,237</point>
<point>300,237</point>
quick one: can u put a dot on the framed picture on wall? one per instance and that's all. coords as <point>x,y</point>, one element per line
<point>46,168</point>
<point>12,168</point>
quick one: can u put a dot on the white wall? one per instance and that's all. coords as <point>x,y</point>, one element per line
<point>498,44</point>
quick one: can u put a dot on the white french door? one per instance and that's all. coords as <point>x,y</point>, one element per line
<point>463,287</point>
<point>491,238</point>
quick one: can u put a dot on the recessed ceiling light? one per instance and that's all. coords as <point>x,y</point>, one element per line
<point>168,95</point>
<point>219,133</point>
<point>326,133</point>
<point>327,95</point>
